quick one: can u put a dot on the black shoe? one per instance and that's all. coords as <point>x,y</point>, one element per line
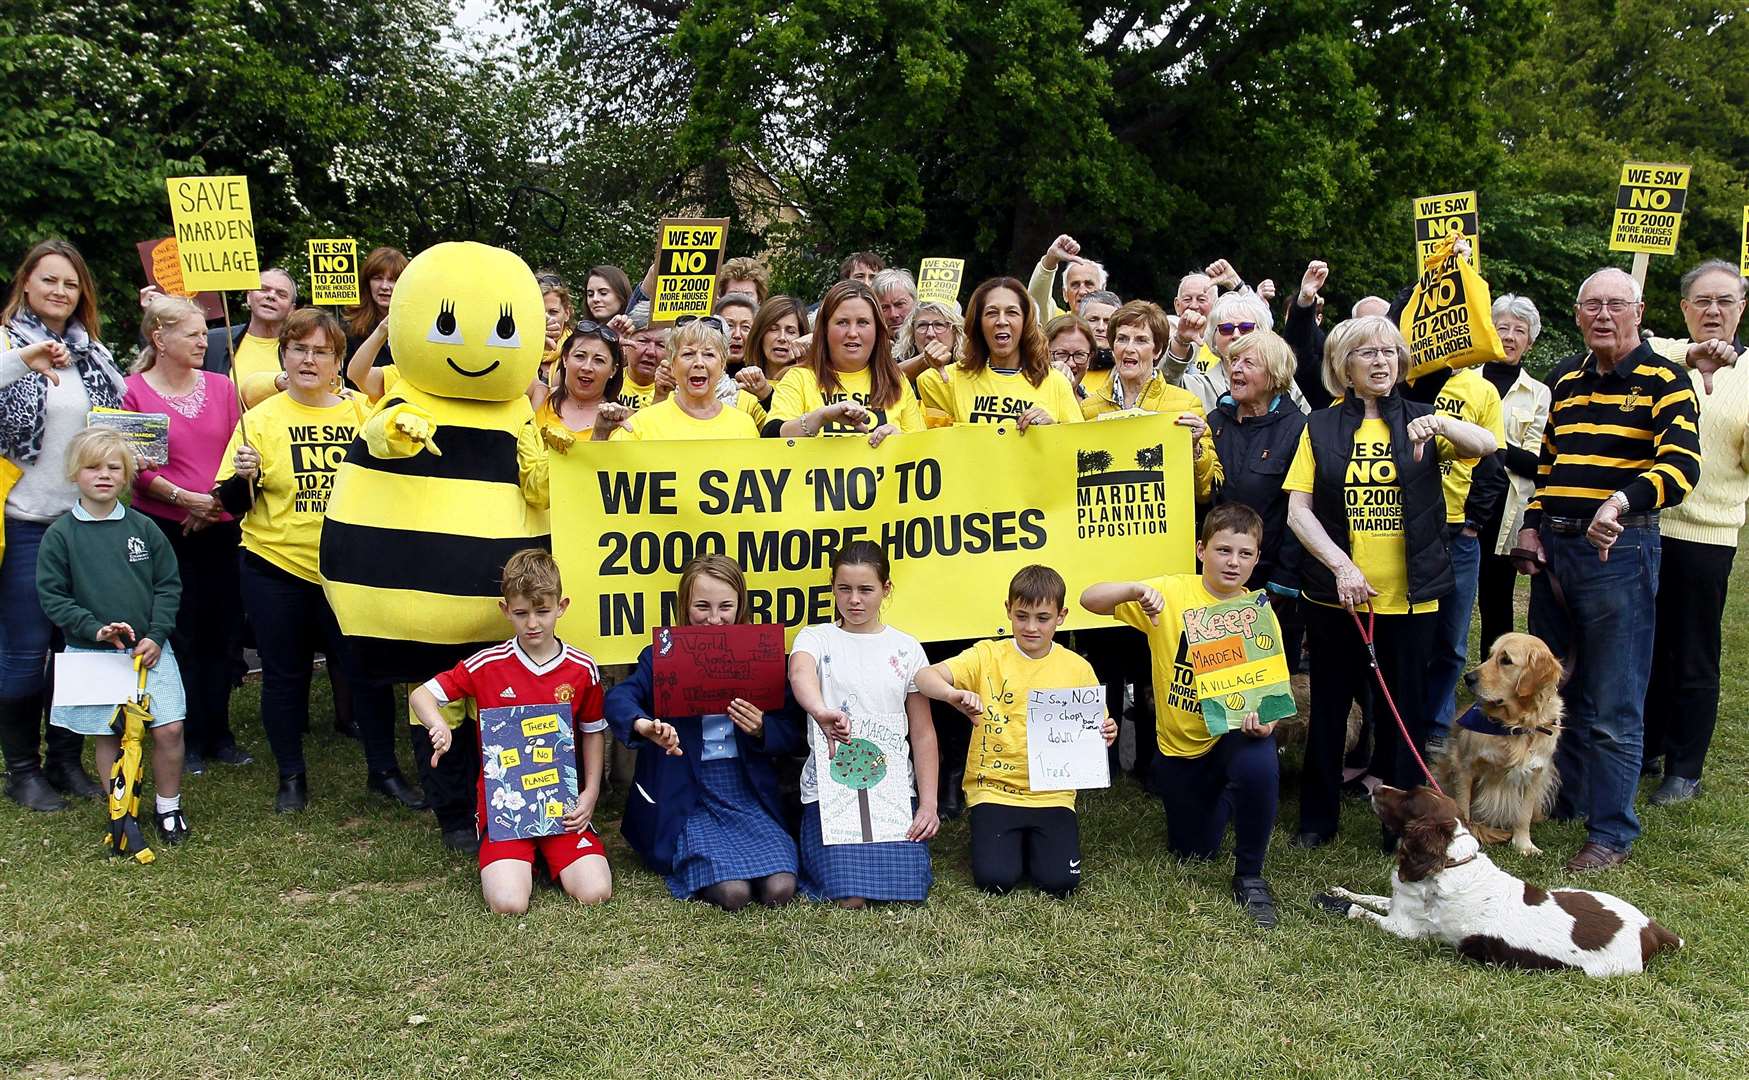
<point>466,840</point>
<point>1356,789</point>
<point>294,794</point>
<point>70,779</point>
<point>1252,894</point>
<point>1310,840</point>
<point>951,804</point>
<point>395,786</point>
<point>1652,766</point>
<point>30,789</point>
<point>172,826</point>
<point>193,764</point>
<point>233,755</point>
<point>1675,789</point>
<point>346,729</point>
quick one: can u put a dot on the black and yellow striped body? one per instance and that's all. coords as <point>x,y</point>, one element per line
<point>413,547</point>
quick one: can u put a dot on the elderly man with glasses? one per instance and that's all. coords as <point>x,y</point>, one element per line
<point>1622,444</point>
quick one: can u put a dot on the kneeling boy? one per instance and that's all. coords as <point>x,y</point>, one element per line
<point>1204,780</point>
<point>1016,832</point>
<point>532,668</point>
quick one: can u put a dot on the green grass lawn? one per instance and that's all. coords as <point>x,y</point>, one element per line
<point>345,942</point>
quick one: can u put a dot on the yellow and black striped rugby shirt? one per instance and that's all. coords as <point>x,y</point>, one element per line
<point>1634,430</point>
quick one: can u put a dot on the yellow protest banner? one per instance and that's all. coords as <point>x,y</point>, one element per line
<point>1648,208</point>
<point>689,252</point>
<point>215,232</point>
<point>939,280</point>
<point>1449,321</point>
<point>1436,215</point>
<point>333,271</point>
<point>958,510</point>
<point>1744,267</point>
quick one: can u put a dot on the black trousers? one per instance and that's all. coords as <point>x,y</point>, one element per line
<point>1495,584</point>
<point>1340,672</point>
<point>1682,696</point>
<point>1119,656</point>
<point>1011,844</point>
<point>1236,781</point>
<point>451,787</point>
<point>953,732</point>
<point>208,625</point>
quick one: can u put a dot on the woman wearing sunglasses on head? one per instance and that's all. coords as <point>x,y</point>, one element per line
<point>847,382</point>
<point>697,352</point>
<point>728,389</point>
<point>588,375</point>
<point>1234,315</point>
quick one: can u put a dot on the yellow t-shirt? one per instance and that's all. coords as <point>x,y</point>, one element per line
<point>798,393</point>
<point>300,449</point>
<point>999,673</point>
<point>1179,728</point>
<point>1375,513</point>
<point>1160,396</point>
<point>256,367</point>
<point>993,397</point>
<point>750,405</point>
<point>1466,396</point>
<point>1096,383</point>
<point>665,420</point>
<point>633,396</point>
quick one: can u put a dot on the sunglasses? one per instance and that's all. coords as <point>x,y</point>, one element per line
<point>720,324</point>
<point>600,330</point>
<point>1228,328</point>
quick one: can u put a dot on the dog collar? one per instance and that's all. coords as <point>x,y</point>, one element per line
<point>1470,858</point>
<point>1481,723</point>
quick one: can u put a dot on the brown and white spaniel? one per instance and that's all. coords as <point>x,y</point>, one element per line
<point>1444,887</point>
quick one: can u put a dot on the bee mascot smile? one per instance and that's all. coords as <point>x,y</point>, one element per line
<point>446,480</point>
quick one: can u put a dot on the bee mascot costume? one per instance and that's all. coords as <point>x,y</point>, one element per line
<point>444,483</point>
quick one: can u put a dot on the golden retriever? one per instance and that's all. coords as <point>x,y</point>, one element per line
<point>1506,779</point>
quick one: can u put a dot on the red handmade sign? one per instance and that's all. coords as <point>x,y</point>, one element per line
<point>698,670</point>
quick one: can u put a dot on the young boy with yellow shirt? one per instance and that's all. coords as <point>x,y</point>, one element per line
<point>1016,832</point>
<point>1204,780</point>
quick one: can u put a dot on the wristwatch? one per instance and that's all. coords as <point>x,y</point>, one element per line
<point>1620,500</point>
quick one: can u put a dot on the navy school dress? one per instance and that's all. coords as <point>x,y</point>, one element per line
<point>715,813</point>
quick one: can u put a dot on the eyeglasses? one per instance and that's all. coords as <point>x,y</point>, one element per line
<point>930,328</point>
<point>600,330</point>
<point>1079,356</point>
<point>1229,328</point>
<point>721,324</point>
<point>1723,303</point>
<point>1595,306</point>
<point>300,350</point>
<point>1369,353</point>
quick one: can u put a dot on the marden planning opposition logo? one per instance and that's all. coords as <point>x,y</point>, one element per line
<point>1124,502</point>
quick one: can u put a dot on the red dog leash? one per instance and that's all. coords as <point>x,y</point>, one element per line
<point>1372,657</point>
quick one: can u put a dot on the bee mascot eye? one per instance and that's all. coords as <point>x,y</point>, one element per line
<point>447,479</point>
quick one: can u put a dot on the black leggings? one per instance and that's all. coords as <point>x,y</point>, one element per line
<point>1495,584</point>
<point>1010,843</point>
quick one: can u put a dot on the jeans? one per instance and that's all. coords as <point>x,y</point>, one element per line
<point>24,629</point>
<point>1451,634</point>
<point>1682,701</point>
<point>1606,631</point>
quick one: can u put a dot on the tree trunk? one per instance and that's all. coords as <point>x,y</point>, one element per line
<point>867,818</point>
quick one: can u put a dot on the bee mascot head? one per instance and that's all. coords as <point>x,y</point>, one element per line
<point>467,321</point>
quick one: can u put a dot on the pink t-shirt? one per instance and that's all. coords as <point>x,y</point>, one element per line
<point>197,444</point>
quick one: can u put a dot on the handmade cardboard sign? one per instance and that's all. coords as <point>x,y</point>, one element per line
<point>1449,321</point>
<point>865,784</point>
<point>1065,748</point>
<point>149,433</point>
<point>698,670</point>
<point>1648,208</point>
<point>939,280</point>
<point>1438,215</point>
<point>528,754</point>
<point>1235,649</point>
<point>333,271</point>
<point>163,269</point>
<point>215,232</point>
<point>688,254</point>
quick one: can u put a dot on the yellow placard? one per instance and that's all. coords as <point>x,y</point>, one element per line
<point>1745,257</point>
<point>959,511</point>
<point>333,271</point>
<point>555,809</point>
<point>1437,215</point>
<point>689,252</point>
<point>1648,207</point>
<point>510,758</point>
<point>540,725</point>
<point>215,232</point>
<point>544,778</point>
<point>541,755</point>
<point>939,280</point>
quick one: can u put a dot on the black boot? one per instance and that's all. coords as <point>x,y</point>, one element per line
<point>20,733</point>
<point>294,794</point>
<point>395,786</point>
<point>65,768</point>
<point>950,797</point>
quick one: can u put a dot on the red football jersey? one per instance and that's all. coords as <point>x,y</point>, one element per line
<point>504,675</point>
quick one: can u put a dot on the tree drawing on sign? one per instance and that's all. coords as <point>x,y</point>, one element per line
<point>1151,457</point>
<point>859,765</point>
<point>1092,461</point>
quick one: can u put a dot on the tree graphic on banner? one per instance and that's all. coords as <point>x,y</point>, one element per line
<point>859,765</point>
